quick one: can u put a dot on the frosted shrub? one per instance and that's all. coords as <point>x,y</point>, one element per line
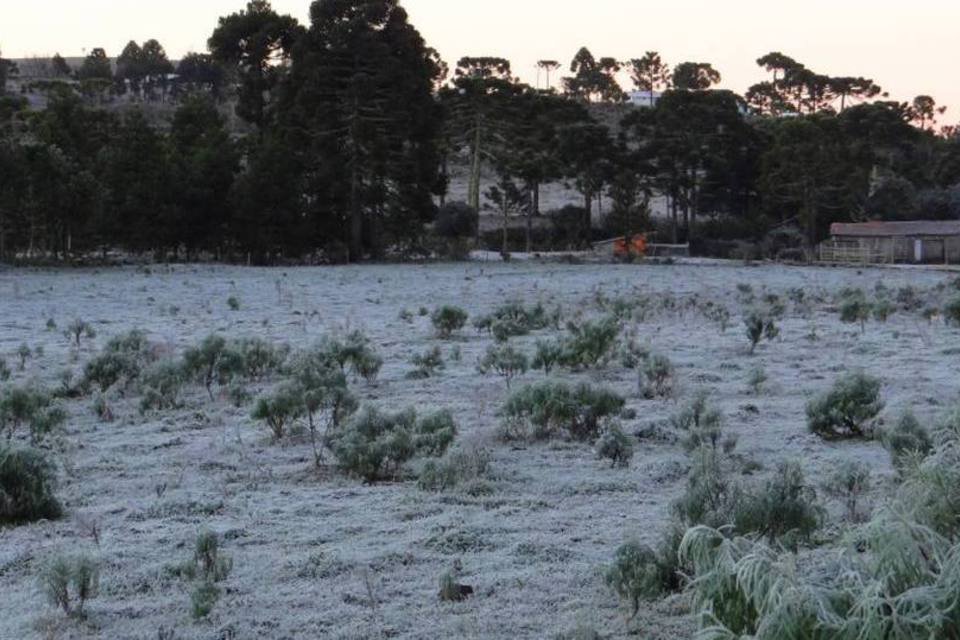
<point>233,302</point>
<point>907,441</point>
<point>640,573</point>
<point>27,484</point>
<point>548,354</point>
<point>454,469</point>
<point>29,407</point>
<point>4,370</point>
<point>513,319</point>
<point>375,445</point>
<point>951,311</point>
<point>760,324</point>
<point>447,320</point>
<point>69,582</point>
<point>160,386</point>
<point>79,329</point>
<point>590,343</point>
<point>854,309</point>
<point>505,361</point>
<point>845,410</point>
<point>702,425</point>
<point>24,353</point>
<point>849,482</point>
<point>206,568</point>
<point>323,390</point>
<point>260,358</point>
<point>756,380</point>
<point>213,361</point>
<point>280,409</point>
<point>544,409</point>
<point>657,377</point>
<point>427,364</point>
<point>784,508</point>
<point>120,361</point>
<point>616,446</point>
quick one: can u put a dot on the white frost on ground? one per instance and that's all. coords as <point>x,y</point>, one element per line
<point>309,549</point>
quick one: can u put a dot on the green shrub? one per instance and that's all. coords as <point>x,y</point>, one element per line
<point>854,308</point>
<point>121,360</point>
<point>24,353</point>
<point>906,441</point>
<point>69,582</point>
<point>427,364</point>
<point>784,508</point>
<point>447,320</point>
<point>548,354</point>
<point>590,343</point>
<point>702,425</point>
<point>951,311</point>
<point>213,361</point>
<point>845,410</point>
<point>543,409</point>
<point>4,371</point>
<point>883,309</point>
<point>30,407</point>
<point>160,386</point>
<point>27,485</point>
<point>616,446</point>
<point>513,319</point>
<point>711,496</point>
<point>260,358</point>
<point>203,599</point>
<point>454,469</point>
<point>505,361</point>
<point>211,566</point>
<point>233,302</point>
<point>657,377</point>
<point>760,324</point>
<point>375,445</point>
<point>639,573</point>
<point>280,409</point>
<point>80,329</point>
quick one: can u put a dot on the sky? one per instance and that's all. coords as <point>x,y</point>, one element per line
<point>907,48</point>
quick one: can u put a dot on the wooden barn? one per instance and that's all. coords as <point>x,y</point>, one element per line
<point>916,241</point>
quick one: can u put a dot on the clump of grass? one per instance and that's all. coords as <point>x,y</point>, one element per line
<point>849,482</point>
<point>907,441</point>
<point>233,302</point>
<point>657,377</point>
<point>427,364</point>
<point>69,582</point>
<point>455,469</point>
<point>32,407</point>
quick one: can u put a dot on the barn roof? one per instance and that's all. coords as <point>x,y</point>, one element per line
<point>887,229</point>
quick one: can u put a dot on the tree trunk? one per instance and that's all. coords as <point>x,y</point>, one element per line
<point>473,197</point>
<point>587,232</point>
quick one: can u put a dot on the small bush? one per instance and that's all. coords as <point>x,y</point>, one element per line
<point>280,409</point>
<point>640,573</point>
<point>24,353</point>
<point>453,470</point>
<point>590,343</point>
<point>506,361</point>
<point>543,409</point>
<point>27,485</point>
<point>657,377</point>
<point>951,311</point>
<point>211,565</point>
<point>260,358</point>
<point>906,441</point>
<point>883,309</point>
<point>849,482</point>
<point>121,360</point>
<point>80,329</point>
<point>375,445</point>
<point>785,508</point>
<point>233,302</point>
<point>30,407</point>
<point>427,364</point>
<point>845,410</point>
<point>548,354</point>
<point>756,380</point>
<point>203,599</point>
<point>70,582</point>
<point>447,320</point>
<point>616,446</point>
<point>4,370</point>
<point>760,324</point>
<point>160,386</point>
<point>213,361</point>
<point>854,309</point>
<point>702,425</point>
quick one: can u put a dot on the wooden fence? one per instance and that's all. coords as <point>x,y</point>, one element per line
<point>851,253</point>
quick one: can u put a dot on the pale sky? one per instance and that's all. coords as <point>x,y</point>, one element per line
<point>909,48</point>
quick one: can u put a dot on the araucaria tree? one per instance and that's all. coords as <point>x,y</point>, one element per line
<point>359,112</point>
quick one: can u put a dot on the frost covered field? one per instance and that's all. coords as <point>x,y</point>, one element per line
<point>318,554</point>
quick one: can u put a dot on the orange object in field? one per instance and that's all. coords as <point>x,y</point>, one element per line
<point>635,245</point>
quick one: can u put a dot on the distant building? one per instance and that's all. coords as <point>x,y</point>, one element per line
<point>647,99</point>
<point>916,241</point>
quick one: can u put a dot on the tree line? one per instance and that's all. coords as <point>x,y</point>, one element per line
<point>353,125</point>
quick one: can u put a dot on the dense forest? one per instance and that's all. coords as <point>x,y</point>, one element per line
<point>351,129</point>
